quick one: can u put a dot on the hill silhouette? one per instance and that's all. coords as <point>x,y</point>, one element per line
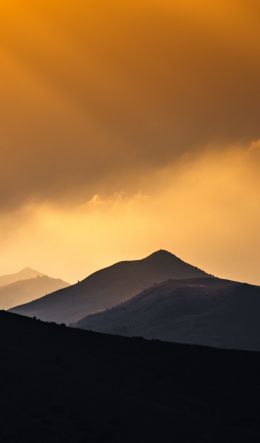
<point>60,384</point>
<point>109,287</point>
<point>211,312</point>
<point>26,290</point>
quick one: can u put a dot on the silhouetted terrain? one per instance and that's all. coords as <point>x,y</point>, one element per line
<point>24,291</point>
<point>24,274</point>
<point>210,312</point>
<point>63,385</point>
<point>109,287</point>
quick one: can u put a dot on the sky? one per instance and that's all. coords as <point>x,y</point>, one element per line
<point>127,127</point>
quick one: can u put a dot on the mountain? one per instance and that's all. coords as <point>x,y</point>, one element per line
<point>26,290</point>
<point>24,274</point>
<point>65,385</point>
<point>109,287</point>
<point>210,312</point>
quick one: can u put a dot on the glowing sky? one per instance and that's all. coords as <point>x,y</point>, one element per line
<point>128,126</point>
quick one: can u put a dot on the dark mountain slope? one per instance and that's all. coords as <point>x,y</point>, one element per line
<point>62,385</point>
<point>109,287</point>
<point>210,312</point>
<point>24,291</point>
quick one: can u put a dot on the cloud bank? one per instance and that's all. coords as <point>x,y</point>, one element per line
<point>97,96</point>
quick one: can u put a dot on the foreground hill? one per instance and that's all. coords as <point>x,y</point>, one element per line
<point>24,291</point>
<point>109,287</point>
<point>60,384</point>
<point>210,312</point>
<point>24,274</point>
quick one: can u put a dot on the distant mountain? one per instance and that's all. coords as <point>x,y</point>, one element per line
<point>109,287</point>
<point>24,274</point>
<point>26,290</point>
<point>210,312</point>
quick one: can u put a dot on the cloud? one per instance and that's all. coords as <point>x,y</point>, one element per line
<point>204,208</point>
<point>98,96</point>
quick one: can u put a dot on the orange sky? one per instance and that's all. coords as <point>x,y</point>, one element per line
<point>127,127</point>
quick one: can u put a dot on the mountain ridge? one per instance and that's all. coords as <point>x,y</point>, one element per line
<point>26,273</point>
<point>24,291</point>
<point>211,312</point>
<point>108,287</point>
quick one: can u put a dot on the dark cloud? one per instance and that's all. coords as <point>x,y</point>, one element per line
<point>96,94</point>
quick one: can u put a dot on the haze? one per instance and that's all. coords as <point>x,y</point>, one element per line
<point>128,127</point>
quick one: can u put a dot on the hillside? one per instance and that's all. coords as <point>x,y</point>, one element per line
<point>210,312</point>
<point>109,287</point>
<point>58,385</point>
<point>24,291</point>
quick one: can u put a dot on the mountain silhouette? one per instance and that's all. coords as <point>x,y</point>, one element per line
<point>109,287</point>
<point>60,384</point>
<point>210,311</point>
<point>24,274</point>
<point>26,290</point>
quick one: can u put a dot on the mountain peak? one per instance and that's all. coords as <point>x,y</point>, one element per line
<point>30,272</point>
<point>161,254</point>
<point>24,274</point>
<point>27,268</point>
<point>109,287</point>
